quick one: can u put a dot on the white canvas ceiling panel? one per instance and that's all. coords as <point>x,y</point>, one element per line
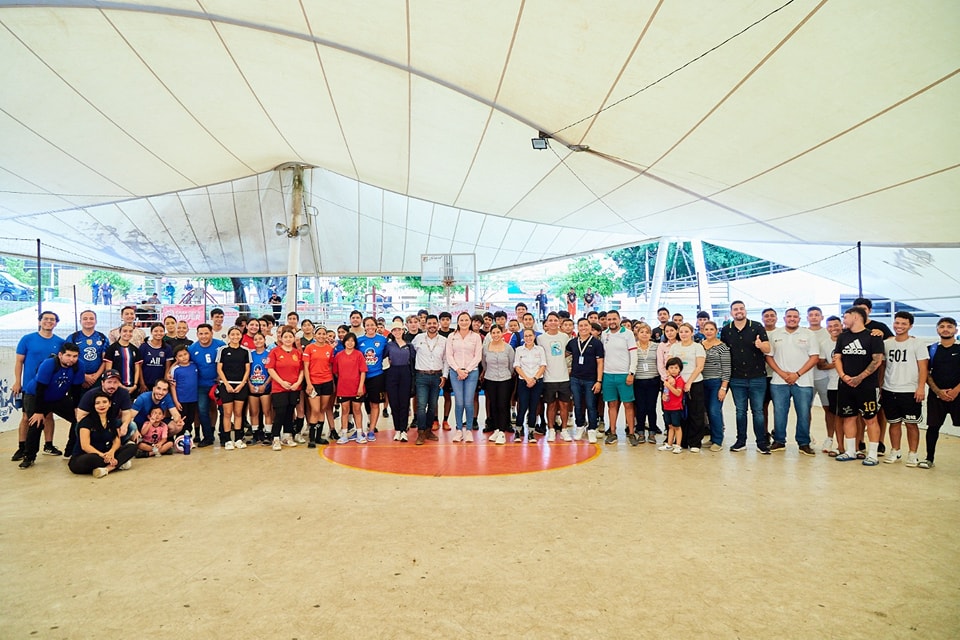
<point>283,14</point>
<point>376,27</point>
<point>294,96</point>
<point>20,196</point>
<point>206,81</point>
<point>394,236</point>
<point>370,230</point>
<point>465,44</point>
<point>793,109</point>
<point>365,93</point>
<point>446,128</point>
<point>562,64</point>
<point>643,128</point>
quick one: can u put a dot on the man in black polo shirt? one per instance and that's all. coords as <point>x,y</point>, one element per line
<point>749,345</point>
<point>944,382</point>
<point>121,406</point>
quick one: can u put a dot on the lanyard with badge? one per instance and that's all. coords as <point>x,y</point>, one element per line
<point>583,347</point>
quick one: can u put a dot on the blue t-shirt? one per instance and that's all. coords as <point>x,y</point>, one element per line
<point>186,378</point>
<point>92,348</point>
<point>155,361</point>
<point>206,361</point>
<point>35,349</point>
<point>58,379</point>
<point>144,404</point>
<point>372,350</point>
<point>259,375</point>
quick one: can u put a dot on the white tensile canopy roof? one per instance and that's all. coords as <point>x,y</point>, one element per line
<point>147,136</point>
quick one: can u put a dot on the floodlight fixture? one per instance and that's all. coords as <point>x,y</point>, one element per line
<point>540,142</point>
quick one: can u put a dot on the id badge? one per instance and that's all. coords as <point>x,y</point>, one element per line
<point>646,367</point>
<point>581,360</point>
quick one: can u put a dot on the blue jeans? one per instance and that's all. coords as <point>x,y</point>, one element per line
<point>528,402</point>
<point>802,399</point>
<point>463,391</point>
<point>584,402</point>
<point>750,392</point>
<point>203,408</point>
<point>428,390</point>
<point>711,387</point>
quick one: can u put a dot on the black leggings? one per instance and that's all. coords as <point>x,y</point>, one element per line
<point>62,408</point>
<point>498,398</point>
<point>646,393</point>
<point>284,403</point>
<point>85,463</point>
<point>695,423</point>
<point>398,382</point>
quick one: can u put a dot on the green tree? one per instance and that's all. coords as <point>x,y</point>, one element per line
<point>414,283</point>
<point>15,267</point>
<point>356,288</point>
<point>585,272</point>
<point>121,284</point>
<point>637,261</point>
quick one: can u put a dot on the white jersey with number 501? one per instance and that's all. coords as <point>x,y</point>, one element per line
<point>901,374</point>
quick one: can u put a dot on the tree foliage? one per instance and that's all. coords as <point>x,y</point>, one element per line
<point>121,284</point>
<point>582,273</point>
<point>679,263</point>
<point>356,288</point>
<point>414,283</point>
<point>15,267</point>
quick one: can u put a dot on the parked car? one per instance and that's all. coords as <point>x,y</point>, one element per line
<point>13,289</point>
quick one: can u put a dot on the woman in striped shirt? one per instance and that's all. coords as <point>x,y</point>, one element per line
<point>716,378</point>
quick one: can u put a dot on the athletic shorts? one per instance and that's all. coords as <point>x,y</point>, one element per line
<point>937,411</point>
<point>375,387</point>
<point>29,404</point>
<point>820,388</point>
<point>615,388</point>
<point>554,391</point>
<point>324,388</point>
<point>831,405</point>
<point>239,396</point>
<point>672,417</point>
<point>858,401</point>
<point>900,406</point>
<point>346,400</point>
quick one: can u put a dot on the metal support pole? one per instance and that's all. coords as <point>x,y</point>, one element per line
<point>293,254</point>
<point>859,271</point>
<point>703,283</point>
<point>39,283</point>
<point>659,275</point>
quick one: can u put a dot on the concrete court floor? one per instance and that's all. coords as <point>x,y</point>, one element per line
<point>633,544</point>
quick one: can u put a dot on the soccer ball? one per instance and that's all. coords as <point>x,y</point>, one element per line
<point>178,444</point>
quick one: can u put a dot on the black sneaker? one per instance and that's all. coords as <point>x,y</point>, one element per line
<point>50,450</point>
<point>777,446</point>
<point>26,463</point>
<point>881,449</point>
<point>765,452</point>
<point>334,435</point>
<point>204,443</point>
<point>611,438</point>
<point>321,440</point>
<point>17,455</point>
<point>738,446</point>
<point>807,451</point>
<point>312,444</point>
<point>632,439</point>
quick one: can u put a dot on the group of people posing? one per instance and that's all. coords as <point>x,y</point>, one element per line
<point>132,393</point>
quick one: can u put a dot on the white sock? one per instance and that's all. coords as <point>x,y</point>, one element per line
<point>872,448</point>
<point>850,446</point>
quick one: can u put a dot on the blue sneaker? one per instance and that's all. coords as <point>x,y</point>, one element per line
<point>361,438</point>
<point>343,440</point>
<point>352,434</point>
<point>371,437</point>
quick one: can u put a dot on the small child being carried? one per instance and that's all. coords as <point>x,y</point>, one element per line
<point>673,388</point>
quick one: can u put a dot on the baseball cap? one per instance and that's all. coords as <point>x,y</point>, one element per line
<point>110,373</point>
<point>397,325</point>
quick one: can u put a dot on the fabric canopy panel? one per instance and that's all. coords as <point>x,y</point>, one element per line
<point>786,121</point>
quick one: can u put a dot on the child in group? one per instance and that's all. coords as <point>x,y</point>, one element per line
<point>350,370</point>
<point>153,436</point>
<point>184,378</point>
<point>673,388</point>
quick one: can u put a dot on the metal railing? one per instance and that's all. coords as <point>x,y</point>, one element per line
<point>738,272</point>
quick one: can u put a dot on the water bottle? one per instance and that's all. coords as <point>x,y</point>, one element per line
<point>18,400</point>
<point>186,443</point>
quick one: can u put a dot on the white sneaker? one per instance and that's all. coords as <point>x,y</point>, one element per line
<point>396,436</point>
<point>578,433</point>
<point>501,438</point>
<point>287,441</point>
<point>665,447</point>
<point>551,435</point>
<point>592,436</point>
<point>228,446</point>
<point>361,437</point>
<point>299,439</point>
<point>240,444</point>
<point>565,436</point>
<point>828,445</point>
<point>677,449</point>
<point>694,449</point>
<point>100,472</point>
<point>493,436</point>
<point>458,436</point>
<point>403,436</point>
<point>912,460</point>
<point>276,444</point>
<point>468,437</point>
<point>126,465</point>
<point>893,456</point>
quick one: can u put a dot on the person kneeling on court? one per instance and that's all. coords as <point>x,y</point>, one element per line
<point>98,450</point>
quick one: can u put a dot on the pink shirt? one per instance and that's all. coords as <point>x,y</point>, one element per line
<point>464,353</point>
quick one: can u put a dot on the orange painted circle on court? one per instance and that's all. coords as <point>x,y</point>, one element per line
<point>453,459</point>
